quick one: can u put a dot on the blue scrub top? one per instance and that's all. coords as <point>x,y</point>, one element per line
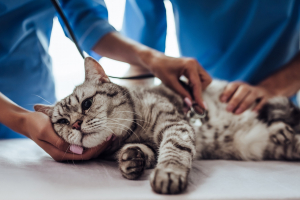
<point>25,64</point>
<point>232,39</point>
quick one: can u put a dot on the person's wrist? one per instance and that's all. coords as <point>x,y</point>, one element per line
<point>148,58</point>
<point>272,89</point>
<point>22,122</point>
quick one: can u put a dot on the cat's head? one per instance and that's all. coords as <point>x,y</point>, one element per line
<point>94,111</point>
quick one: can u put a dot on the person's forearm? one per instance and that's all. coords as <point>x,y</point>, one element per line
<point>167,69</point>
<point>285,82</point>
<point>115,46</point>
<point>12,115</point>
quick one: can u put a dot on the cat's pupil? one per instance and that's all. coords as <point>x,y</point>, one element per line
<point>87,104</point>
<point>63,121</point>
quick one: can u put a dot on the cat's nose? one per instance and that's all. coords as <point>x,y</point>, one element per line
<point>77,125</point>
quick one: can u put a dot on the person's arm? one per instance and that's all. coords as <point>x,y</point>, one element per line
<point>37,126</point>
<point>88,19</point>
<point>168,69</point>
<point>285,82</point>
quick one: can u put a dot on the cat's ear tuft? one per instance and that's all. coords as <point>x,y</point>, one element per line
<point>94,71</point>
<point>48,110</point>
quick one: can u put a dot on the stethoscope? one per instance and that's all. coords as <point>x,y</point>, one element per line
<point>190,114</point>
<point>72,36</point>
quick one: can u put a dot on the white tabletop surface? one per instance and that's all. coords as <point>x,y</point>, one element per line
<point>27,172</point>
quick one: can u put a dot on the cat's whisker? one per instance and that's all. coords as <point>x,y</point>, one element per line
<point>56,142</point>
<point>124,94</point>
<point>135,119</point>
<point>73,161</point>
<point>66,151</point>
<point>128,112</point>
<point>43,99</point>
<point>115,119</point>
<point>121,129</point>
<point>99,113</point>
<point>110,129</point>
<point>128,128</point>
<point>113,132</point>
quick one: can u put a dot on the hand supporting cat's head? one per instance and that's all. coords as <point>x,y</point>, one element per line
<point>94,111</point>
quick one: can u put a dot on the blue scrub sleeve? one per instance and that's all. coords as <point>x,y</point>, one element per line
<point>89,21</point>
<point>145,21</point>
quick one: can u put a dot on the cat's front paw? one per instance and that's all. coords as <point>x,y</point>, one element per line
<point>132,162</point>
<point>168,181</point>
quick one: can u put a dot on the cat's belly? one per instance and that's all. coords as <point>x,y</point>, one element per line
<point>232,138</point>
<point>225,135</point>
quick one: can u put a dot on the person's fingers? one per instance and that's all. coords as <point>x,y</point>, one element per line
<point>205,82</point>
<point>51,137</point>
<point>205,78</point>
<point>195,84</point>
<point>176,86</point>
<point>237,98</point>
<point>246,103</point>
<point>43,131</point>
<point>260,104</point>
<point>191,71</point>
<point>59,155</point>
<point>55,153</point>
<point>95,151</point>
<point>229,91</point>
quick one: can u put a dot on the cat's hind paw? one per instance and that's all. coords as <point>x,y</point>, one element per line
<point>168,181</point>
<point>132,162</point>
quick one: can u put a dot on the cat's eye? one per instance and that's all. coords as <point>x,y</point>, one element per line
<point>63,121</point>
<point>86,104</point>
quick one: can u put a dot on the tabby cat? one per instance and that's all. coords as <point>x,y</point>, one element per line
<point>150,129</point>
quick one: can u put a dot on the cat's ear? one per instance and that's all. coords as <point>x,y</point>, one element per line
<point>48,110</point>
<point>94,71</point>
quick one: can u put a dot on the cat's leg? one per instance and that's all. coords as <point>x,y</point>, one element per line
<point>283,143</point>
<point>282,119</point>
<point>176,152</point>
<point>134,158</point>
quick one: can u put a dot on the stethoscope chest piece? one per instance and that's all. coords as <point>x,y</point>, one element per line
<point>194,117</point>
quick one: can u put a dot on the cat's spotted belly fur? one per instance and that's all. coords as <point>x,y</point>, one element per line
<point>224,135</point>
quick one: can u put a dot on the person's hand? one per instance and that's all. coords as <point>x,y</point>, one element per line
<point>169,70</point>
<point>241,96</point>
<point>39,129</point>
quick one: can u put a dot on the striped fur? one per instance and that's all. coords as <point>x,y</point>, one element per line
<point>152,130</point>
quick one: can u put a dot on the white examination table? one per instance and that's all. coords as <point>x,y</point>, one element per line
<point>27,172</point>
